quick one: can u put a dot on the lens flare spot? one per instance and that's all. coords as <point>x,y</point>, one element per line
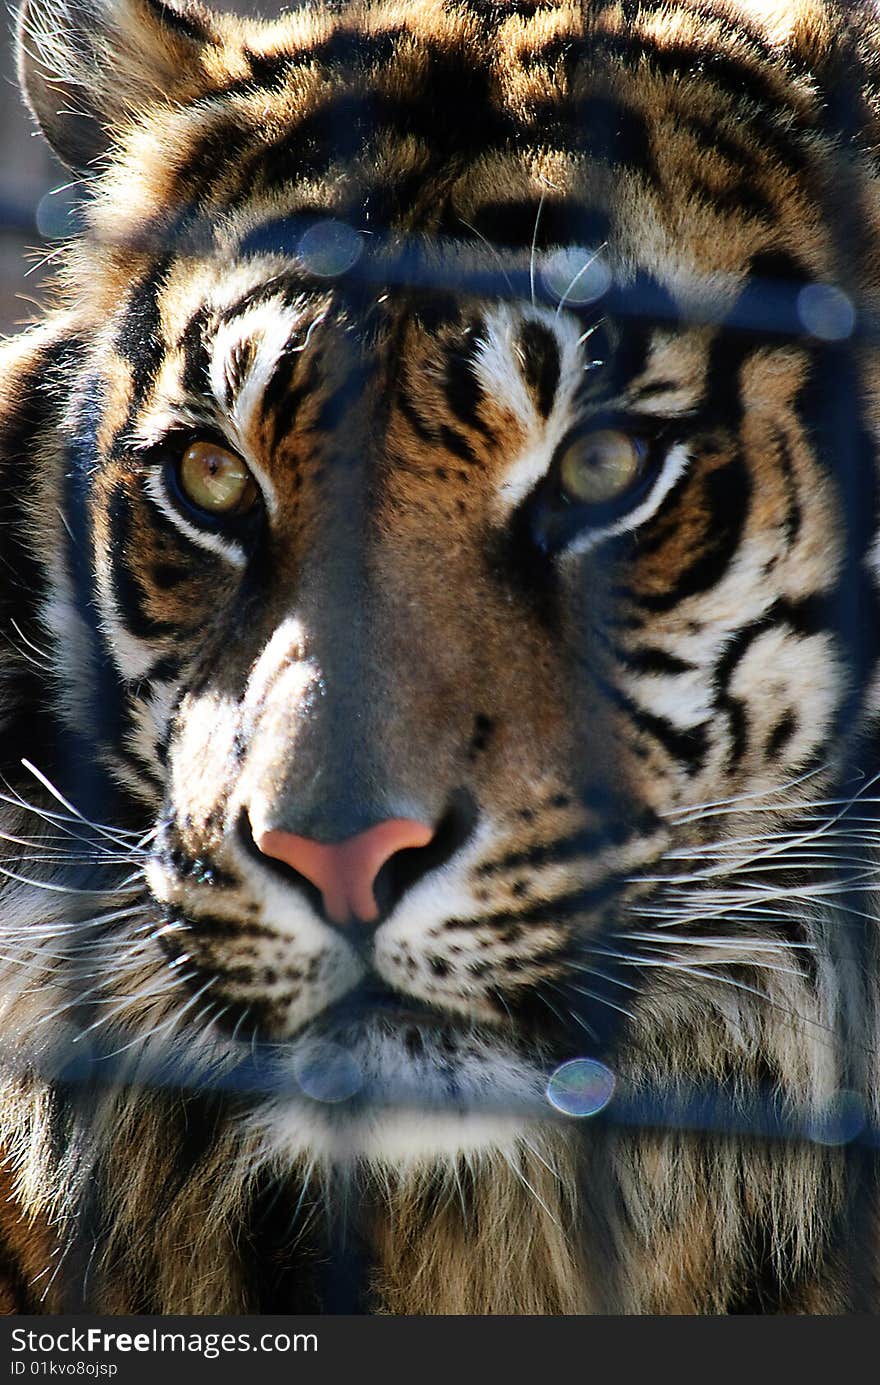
<point>581,1087</point>
<point>576,275</point>
<point>329,248</point>
<point>328,1073</point>
<point>59,213</point>
<point>842,1119</point>
<point>826,312</point>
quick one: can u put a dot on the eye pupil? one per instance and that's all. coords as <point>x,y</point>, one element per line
<point>600,467</point>
<point>216,480</point>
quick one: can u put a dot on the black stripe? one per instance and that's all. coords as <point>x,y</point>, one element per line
<point>128,589</point>
<point>41,395</point>
<point>806,616</point>
<point>335,133</point>
<point>139,766</point>
<point>354,49</point>
<point>350,49</point>
<point>521,222</point>
<point>801,618</point>
<point>139,338</point>
<point>780,267</point>
<point>196,376</point>
<point>793,516</point>
<point>781,734</point>
<point>464,394</point>
<point>575,904</point>
<point>209,926</point>
<point>139,341</point>
<point>267,70</point>
<point>650,659</point>
<point>186,24</point>
<point>615,134</point>
<point>737,199</point>
<point>687,746</point>
<point>104,721</point>
<point>496,11</point>
<point>553,853</point>
<point>727,493</point>
<point>167,576</point>
<point>451,112</point>
<point>458,445</point>
<point>562,53</point>
<point>281,400</point>
<point>738,724</point>
<point>744,84</point>
<point>222,152</point>
<point>164,670</point>
<point>712,139</point>
<point>654,388</point>
<point>422,429</point>
<point>629,357</point>
<point>388,201</point>
<point>540,364</point>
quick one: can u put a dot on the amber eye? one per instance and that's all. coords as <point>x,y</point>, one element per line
<point>216,480</point>
<point>597,468</point>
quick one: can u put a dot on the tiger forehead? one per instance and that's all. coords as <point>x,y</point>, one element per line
<point>309,368</point>
<point>456,118</point>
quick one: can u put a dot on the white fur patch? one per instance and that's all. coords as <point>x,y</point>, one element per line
<point>409,1109</point>
<point>205,538</point>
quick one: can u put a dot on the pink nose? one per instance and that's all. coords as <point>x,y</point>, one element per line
<point>345,872</point>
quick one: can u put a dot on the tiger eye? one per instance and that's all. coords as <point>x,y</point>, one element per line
<point>216,480</point>
<point>599,467</point>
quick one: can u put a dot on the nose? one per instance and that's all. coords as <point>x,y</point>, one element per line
<point>345,872</point>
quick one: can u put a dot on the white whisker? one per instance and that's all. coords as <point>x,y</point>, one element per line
<point>65,803</point>
<point>511,1163</point>
<point>583,269</point>
<point>698,810</point>
<point>173,1019</point>
<point>534,248</point>
<point>602,1000</point>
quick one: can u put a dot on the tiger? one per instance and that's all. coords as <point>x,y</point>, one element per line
<point>439,612</point>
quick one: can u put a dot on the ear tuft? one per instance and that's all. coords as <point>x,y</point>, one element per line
<point>86,65</point>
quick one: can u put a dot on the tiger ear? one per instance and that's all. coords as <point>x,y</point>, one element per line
<point>86,65</point>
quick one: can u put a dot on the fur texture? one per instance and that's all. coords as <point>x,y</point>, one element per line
<point>424,268</point>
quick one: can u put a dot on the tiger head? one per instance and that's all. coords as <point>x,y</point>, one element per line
<point>447,507</point>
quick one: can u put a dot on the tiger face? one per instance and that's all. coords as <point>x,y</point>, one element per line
<point>453,590</point>
<point>442,715</point>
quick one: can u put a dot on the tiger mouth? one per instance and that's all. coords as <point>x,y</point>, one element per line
<point>377,1006</point>
<point>373,999</point>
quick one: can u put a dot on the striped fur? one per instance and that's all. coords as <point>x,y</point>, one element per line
<point>353,246</point>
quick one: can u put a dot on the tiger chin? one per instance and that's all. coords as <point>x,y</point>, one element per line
<point>439,611</point>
